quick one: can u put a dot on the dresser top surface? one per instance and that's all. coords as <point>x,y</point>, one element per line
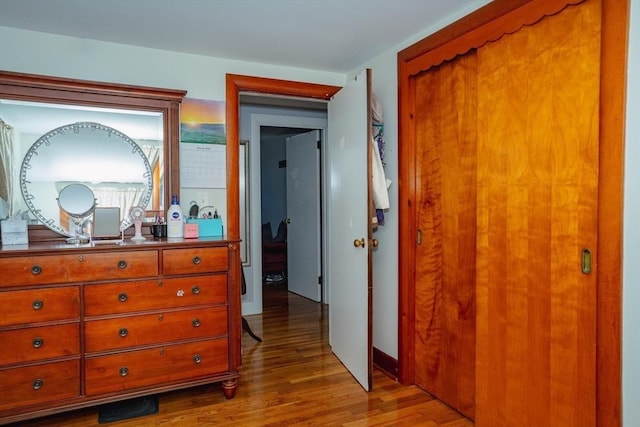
<point>127,244</point>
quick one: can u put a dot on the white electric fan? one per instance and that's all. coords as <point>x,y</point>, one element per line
<point>137,214</point>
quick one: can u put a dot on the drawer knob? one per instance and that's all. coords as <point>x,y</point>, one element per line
<point>37,304</point>
<point>36,269</point>
<point>196,260</point>
<point>196,323</point>
<point>195,290</point>
<point>197,358</point>
<point>122,297</point>
<point>123,332</point>
<point>122,264</point>
<point>37,384</point>
<point>38,342</point>
<point>124,371</point>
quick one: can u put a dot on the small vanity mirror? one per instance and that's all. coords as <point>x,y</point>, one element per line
<point>77,201</point>
<point>78,159</point>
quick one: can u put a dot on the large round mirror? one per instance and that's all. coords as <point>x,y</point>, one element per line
<point>99,157</point>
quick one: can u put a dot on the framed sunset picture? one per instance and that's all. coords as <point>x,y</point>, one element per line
<point>202,122</point>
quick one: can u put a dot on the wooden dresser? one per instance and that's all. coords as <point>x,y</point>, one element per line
<point>83,325</point>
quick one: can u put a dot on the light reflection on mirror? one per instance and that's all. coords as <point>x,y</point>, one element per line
<point>28,121</point>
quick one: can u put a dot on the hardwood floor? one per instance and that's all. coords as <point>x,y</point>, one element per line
<point>290,379</point>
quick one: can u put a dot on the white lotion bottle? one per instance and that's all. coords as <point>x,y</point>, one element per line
<point>175,220</point>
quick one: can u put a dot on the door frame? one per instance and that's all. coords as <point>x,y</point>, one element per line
<point>472,31</point>
<point>234,84</point>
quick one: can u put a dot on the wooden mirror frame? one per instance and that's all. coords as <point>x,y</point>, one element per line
<point>39,88</point>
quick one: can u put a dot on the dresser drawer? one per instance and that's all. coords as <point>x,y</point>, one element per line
<point>38,384</point>
<point>194,260</point>
<point>149,367</point>
<point>77,267</point>
<point>39,305</point>
<point>146,329</point>
<point>47,342</point>
<point>128,297</point>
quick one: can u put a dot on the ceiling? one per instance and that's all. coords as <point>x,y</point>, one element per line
<point>325,35</point>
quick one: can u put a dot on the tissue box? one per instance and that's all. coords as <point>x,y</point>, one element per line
<point>14,231</point>
<point>207,227</point>
<point>191,230</point>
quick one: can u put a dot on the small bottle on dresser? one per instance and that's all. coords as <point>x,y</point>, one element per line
<point>175,219</point>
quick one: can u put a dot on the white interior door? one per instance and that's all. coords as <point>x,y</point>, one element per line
<point>303,215</point>
<point>349,212</point>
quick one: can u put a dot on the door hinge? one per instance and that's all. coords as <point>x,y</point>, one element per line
<point>319,280</point>
<point>319,144</point>
<point>419,237</point>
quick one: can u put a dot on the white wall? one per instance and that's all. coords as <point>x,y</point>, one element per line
<point>202,77</point>
<point>631,249</point>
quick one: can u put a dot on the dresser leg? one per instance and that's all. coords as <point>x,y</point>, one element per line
<point>229,388</point>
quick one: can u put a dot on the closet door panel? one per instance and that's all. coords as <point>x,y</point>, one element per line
<point>538,115</point>
<point>446,219</point>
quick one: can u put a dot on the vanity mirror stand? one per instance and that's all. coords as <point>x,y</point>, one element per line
<point>86,324</point>
<point>77,201</point>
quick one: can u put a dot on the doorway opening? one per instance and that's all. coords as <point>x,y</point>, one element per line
<point>347,211</point>
<point>290,187</point>
<point>267,124</point>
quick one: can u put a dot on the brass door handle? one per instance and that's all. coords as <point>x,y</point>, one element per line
<point>586,261</point>
<point>359,243</point>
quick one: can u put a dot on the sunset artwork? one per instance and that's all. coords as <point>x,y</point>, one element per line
<point>202,121</point>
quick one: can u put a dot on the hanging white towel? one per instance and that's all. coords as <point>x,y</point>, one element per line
<point>380,194</point>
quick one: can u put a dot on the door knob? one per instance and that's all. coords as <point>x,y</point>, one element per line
<point>359,243</point>
<point>374,243</point>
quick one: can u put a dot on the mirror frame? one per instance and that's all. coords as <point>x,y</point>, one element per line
<point>59,90</point>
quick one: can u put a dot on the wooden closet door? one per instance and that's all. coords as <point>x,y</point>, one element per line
<point>446,218</point>
<point>538,134</point>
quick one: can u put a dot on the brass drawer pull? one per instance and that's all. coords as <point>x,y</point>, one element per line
<point>38,342</point>
<point>123,332</point>
<point>122,297</point>
<point>197,358</point>
<point>122,264</point>
<point>37,304</point>
<point>37,384</point>
<point>36,269</point>
<point>124,371</point>
<point>196,323</point>
<point>196,260</point>
<point>195,290</point>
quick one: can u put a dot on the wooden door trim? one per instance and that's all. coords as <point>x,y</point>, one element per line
<point>613,83</point>
<point>489,23</point>
<point>234,85</point>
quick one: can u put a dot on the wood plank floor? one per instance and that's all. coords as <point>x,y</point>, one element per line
<point>290,379</point>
